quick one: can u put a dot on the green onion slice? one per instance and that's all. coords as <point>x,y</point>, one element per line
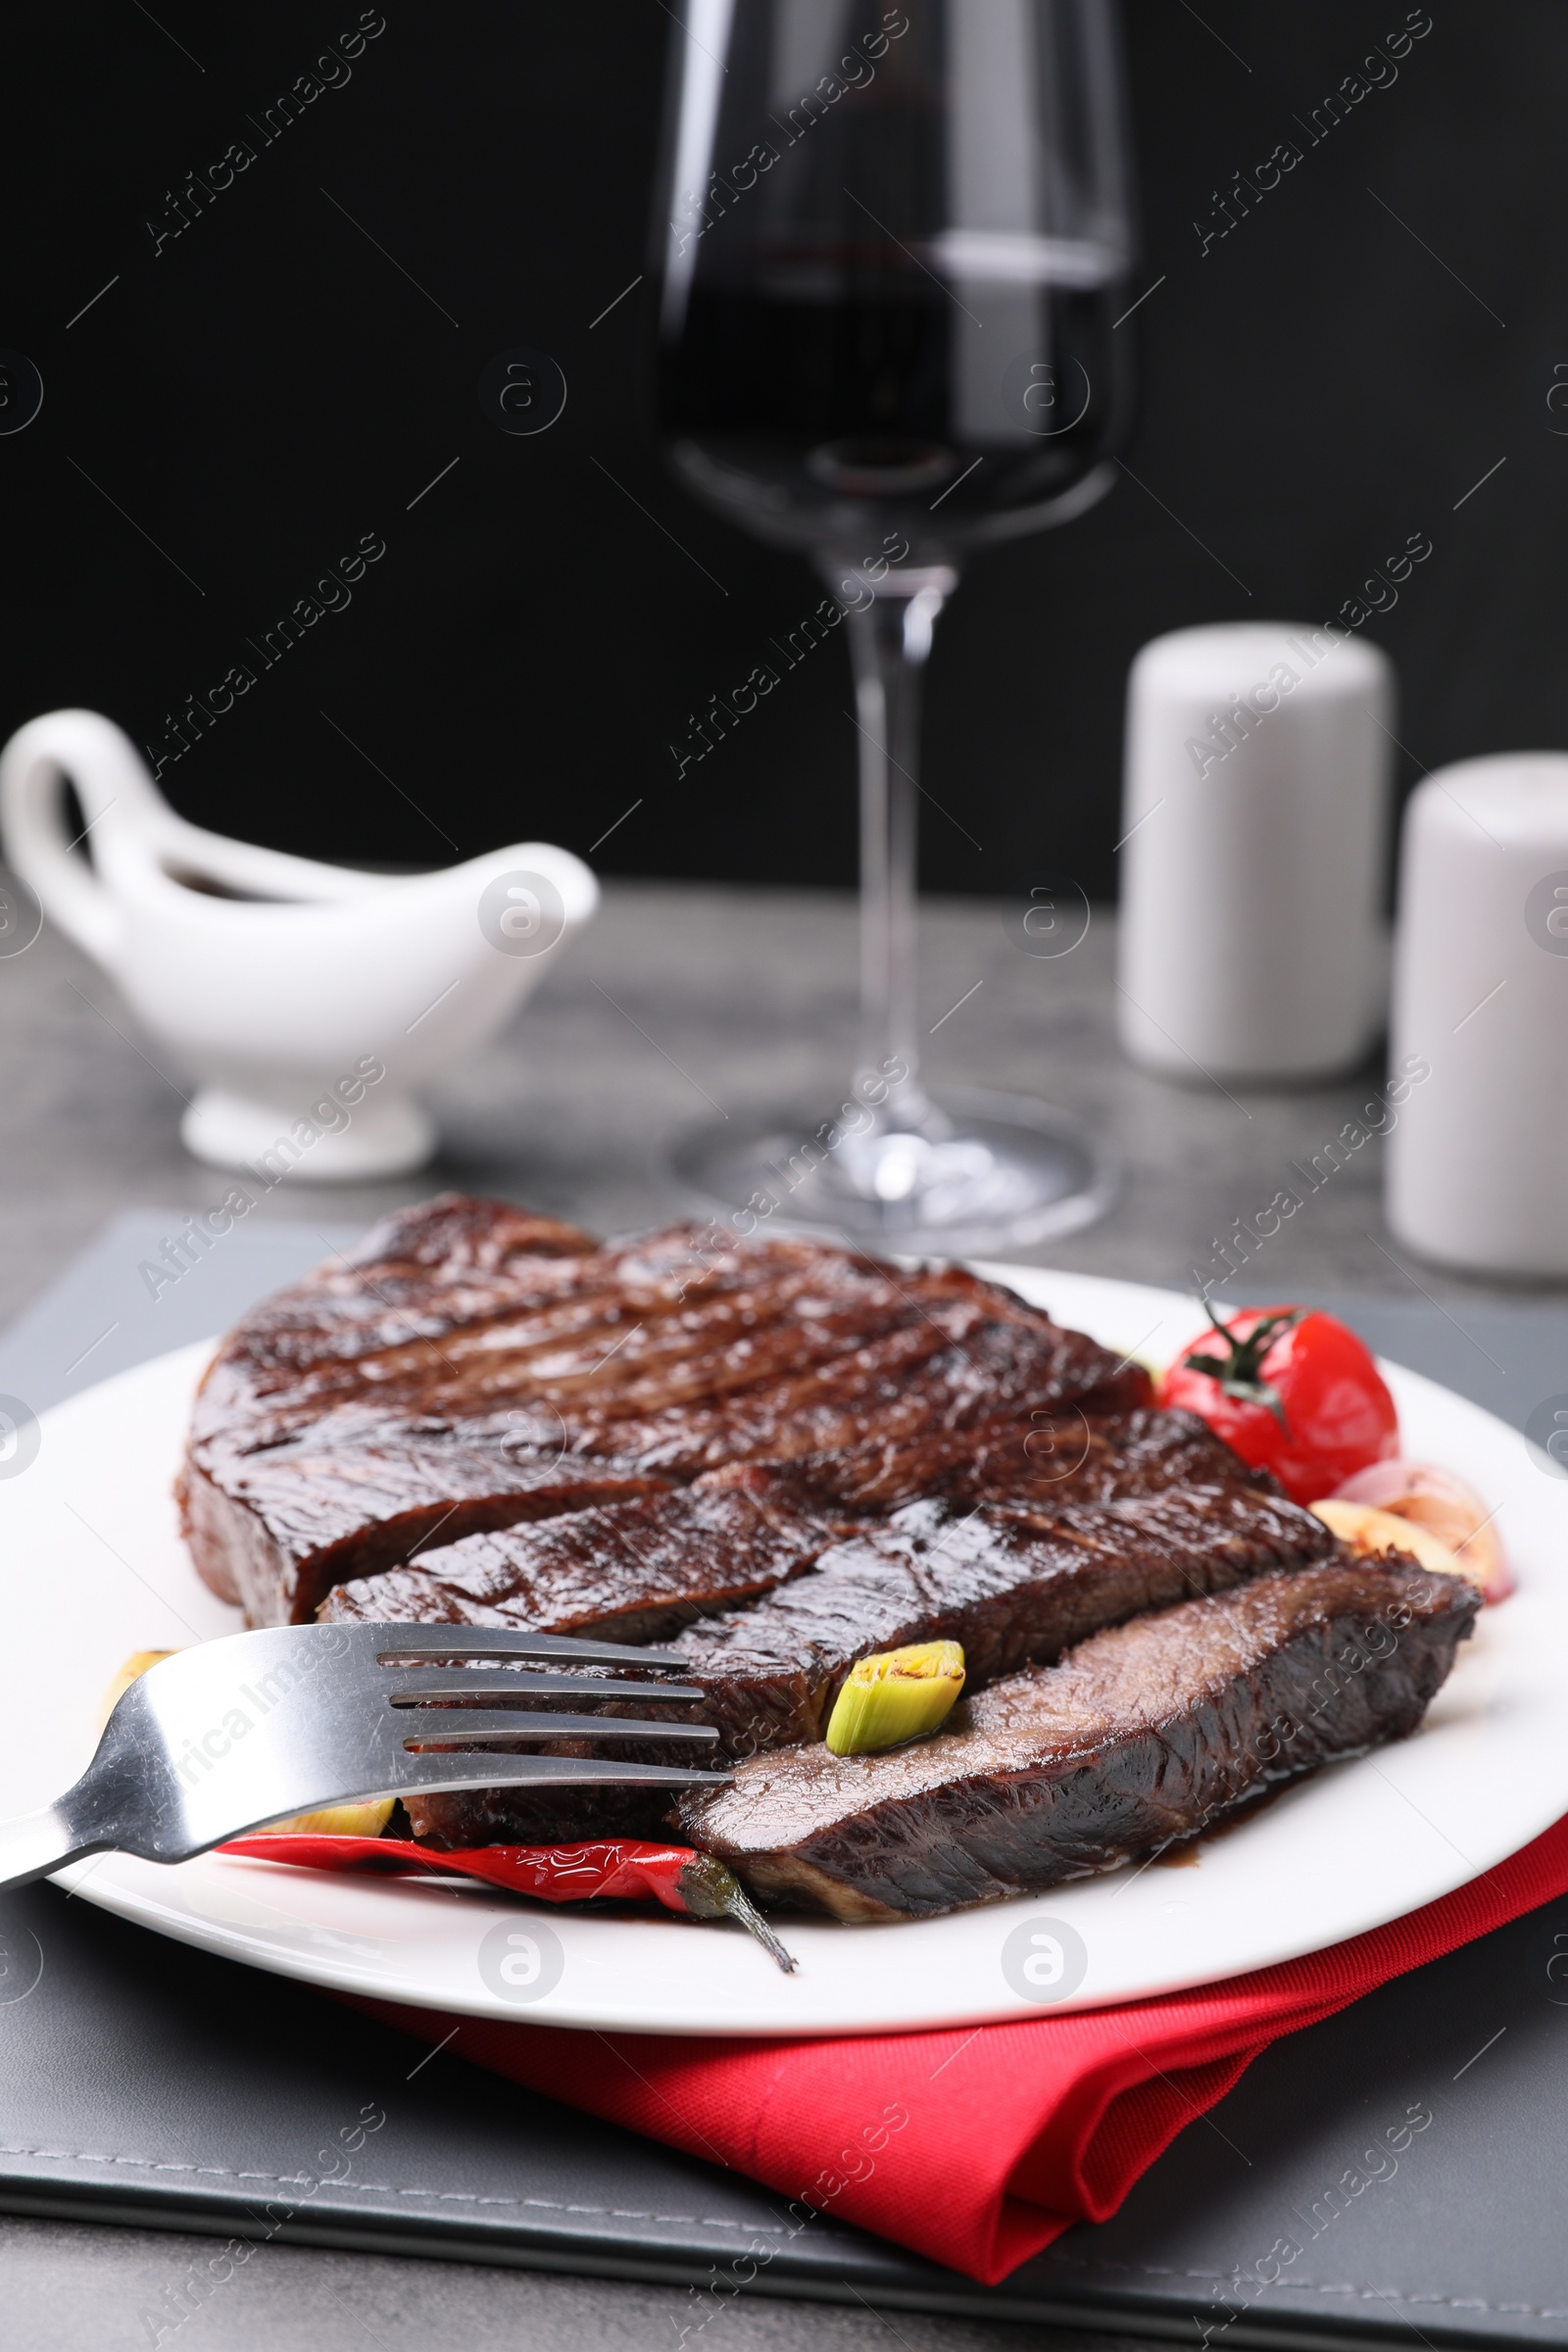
<point>901,1695</point>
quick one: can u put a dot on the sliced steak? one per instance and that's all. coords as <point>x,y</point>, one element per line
<point>1141,1735</point>
<point>394,1394</point>
<point>627,1572</point>
<point>360,1493</point>
<point>995,1581</point>
<point>638,1571</point>
<point>1013,1586</point>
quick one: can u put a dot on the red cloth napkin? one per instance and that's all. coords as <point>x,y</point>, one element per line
<point>977,2148</point>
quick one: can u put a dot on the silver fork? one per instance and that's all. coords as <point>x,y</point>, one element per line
<point>256,1727</point>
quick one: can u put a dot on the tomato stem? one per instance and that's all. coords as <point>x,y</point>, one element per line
<point>1240,1373</point>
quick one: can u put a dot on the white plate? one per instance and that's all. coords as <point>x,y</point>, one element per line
<point>93,1568</point>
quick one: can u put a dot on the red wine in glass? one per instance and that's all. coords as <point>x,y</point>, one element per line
<point>893,261</point>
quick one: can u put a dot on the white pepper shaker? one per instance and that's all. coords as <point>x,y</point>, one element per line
<point>1255,821</point>
<point>1477,1168</point>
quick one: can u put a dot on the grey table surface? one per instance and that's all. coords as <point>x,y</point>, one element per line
<point>679,1000</point>
<point>676,1001</point>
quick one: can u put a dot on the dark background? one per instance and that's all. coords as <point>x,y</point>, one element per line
<point>1319,386</point>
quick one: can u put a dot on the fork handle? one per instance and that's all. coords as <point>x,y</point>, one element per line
<point>36,1844</point>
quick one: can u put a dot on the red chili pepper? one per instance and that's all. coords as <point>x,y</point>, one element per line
<point>676,1876</point>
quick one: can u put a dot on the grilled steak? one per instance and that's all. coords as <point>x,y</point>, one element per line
<point>1010,1588</point>
<point>630,1572</point>
<point>470,1367</point>
<point>1141,1734</point>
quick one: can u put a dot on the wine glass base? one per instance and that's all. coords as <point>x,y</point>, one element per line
<point>996,1173</point>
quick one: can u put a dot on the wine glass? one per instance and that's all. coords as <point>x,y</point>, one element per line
<point>894,244</point>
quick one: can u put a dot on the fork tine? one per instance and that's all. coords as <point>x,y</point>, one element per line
<point>418,1685</point>
<point>451,1727</point>
<point>414,1774</point>
<point>395,1642</point>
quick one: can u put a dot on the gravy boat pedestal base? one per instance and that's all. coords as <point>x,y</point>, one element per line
<point>390,1138</point>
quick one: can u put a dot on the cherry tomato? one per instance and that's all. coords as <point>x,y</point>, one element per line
<point>1292,1392</point>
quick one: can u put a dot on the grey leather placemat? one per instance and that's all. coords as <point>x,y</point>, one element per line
<point>142,2080</point>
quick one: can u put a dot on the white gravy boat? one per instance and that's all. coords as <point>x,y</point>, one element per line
<point>307,1001</point>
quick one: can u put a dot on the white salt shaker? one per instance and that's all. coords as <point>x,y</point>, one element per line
<point>1478,1165</point>
<point>1254,826</point>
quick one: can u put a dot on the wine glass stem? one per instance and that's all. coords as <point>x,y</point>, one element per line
<point>889,638</point>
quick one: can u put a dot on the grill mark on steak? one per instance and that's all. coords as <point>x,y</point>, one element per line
<point>948,1373</point>
<point>629,1572</point>
<point>419,1273</point>
<point>1141,1735</point>
<point>1009,1590</point>
<point>660,1359</point>
<point>354,1418</point>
